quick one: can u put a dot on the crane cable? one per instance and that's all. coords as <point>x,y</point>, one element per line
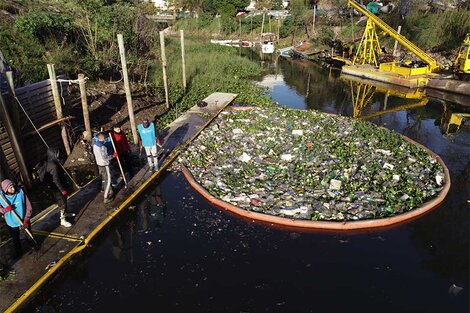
<point>37,131</point>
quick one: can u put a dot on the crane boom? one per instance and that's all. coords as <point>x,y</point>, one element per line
<point>432,63</point>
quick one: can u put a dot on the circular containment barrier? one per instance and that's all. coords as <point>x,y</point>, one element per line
<point>327,225</point>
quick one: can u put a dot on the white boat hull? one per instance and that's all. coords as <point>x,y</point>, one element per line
<point>267,48</point>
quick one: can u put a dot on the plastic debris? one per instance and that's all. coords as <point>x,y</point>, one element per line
<point>454,289</point>
<point>332,169</point>
<point>244,157</point>
<point>53,263</point>
<point>287,157</point>
<point>335,184</point>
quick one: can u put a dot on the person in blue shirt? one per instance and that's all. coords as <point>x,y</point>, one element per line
<point>148,140</point>
<point>17,201</point>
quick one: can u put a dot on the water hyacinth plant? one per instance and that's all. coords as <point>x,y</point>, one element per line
<point>311,165</point>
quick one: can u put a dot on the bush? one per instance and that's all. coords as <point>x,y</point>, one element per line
<point>432,30</point>
<point>41,25</point>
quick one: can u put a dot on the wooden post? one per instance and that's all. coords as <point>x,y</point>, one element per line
<point>165,81</point>
<point>14,112</point>
<point>251,28</point>
<point>313,22</point>
<point>86,115</point>
<point>396,42</point>
<point>58,106</point>
<point>278,29</point>
<point>6,120</point>
<point>183,59</point>
<point>270,29</point>
<point>220,24</point>
<point>130,108</point>
<point>262,25</point>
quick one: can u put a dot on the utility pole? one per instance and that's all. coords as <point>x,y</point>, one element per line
<point>130,108</point>
<point>86,115</point>
<point>183,59</point>
<point>58,106</point>
<point>165,80</point>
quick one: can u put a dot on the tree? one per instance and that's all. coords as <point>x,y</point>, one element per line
<point>187,5</point>
<point>227,8</point>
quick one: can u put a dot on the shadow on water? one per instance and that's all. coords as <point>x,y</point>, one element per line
<point>176,253</point>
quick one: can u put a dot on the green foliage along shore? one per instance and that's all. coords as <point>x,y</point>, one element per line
<point>77,36</point>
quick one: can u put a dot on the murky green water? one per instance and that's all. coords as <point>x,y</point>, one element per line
<point>177,253</point>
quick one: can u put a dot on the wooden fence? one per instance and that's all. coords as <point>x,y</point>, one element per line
<point>38,102</point>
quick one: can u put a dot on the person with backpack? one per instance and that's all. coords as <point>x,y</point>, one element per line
<point>148,140</point>
<point>104,153</point>
<point>49,175</point>
<point>14,198</point>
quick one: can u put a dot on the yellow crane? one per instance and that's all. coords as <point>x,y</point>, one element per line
<point>462,61</point>
<point>369,47</point>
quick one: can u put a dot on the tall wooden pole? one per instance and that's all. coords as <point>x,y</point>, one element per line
<point>165,80</point>
<point>278,29</point>
<point>183,59</point>
<point>396,42</point>
<point>269,18</point>
<point>251,28</point>
<point>130,108</point>
<point>86,115</point>
<point>314,17</point>
<point>14,112</point>
<point>15,145</point>
<point>58,106</point>
<point>262,25</point>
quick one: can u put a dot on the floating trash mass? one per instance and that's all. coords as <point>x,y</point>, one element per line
<point>310,165</point>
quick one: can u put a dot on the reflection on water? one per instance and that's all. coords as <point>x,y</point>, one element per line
<point>176,253</point>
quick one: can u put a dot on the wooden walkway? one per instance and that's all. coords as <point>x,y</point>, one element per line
<point>59,244</point>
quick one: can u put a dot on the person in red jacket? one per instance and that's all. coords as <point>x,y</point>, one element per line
<point>123,149</point>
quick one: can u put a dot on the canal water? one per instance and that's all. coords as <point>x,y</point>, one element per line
<point>176,253</point>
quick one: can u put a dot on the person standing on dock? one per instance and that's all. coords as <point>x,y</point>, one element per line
<point>148,140</point>
<point>17,201</point>
<point>123,149</point>
<point>103,151</point>
<point>51,177</point>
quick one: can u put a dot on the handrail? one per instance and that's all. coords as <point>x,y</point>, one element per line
<point>433,64</point>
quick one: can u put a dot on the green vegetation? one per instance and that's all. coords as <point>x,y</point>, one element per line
<point>77,36</point>
<point>445,30</point>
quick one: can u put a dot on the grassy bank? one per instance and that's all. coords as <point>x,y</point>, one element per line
<point>209,68</point>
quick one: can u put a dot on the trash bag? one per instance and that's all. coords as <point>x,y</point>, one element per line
<point>373,7</point>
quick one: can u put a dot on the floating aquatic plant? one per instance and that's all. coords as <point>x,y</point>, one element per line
<point>311,165</point>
